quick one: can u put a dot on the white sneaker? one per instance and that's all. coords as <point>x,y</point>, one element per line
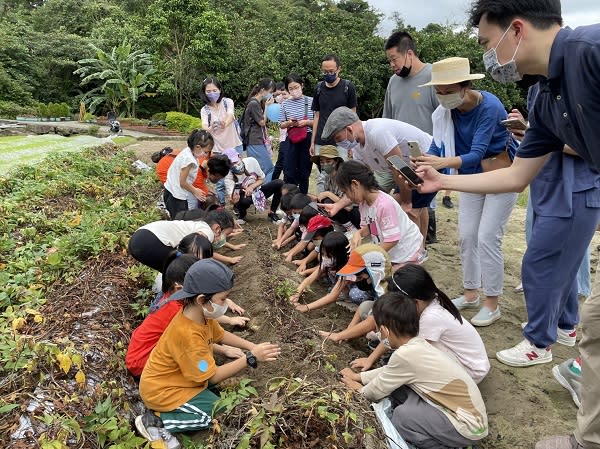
<point>524,354</point>
<point>519,288</point>
<point>151,427</point>
<point>462,303</point>
<point>564,337</point>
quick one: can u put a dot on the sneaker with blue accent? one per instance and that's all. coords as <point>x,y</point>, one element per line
<point>485,316</point>
<point>524,354</point>
<point>462,303</point>
<point>569,378</point>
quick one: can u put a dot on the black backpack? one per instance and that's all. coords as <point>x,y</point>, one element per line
<point>320,86</point>
<point>243,127</point>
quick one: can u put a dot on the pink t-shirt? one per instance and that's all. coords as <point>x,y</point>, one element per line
<point>387,222</point>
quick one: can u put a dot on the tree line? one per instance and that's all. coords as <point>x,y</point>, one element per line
<point>141,57</point>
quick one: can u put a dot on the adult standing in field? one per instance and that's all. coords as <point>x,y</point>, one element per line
<point>218,118</point>
<point>468,138</point>
<point>407,100</point>
<point>525,37</point>
<point>254,131</point>
<point>296,116</point>
<point>330,93</point>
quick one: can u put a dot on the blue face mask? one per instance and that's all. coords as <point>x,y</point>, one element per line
<point>296,216</point>
<point>213,96</point>
<point>348,144</point>
<point>267,96</point>
<point>238,169</point>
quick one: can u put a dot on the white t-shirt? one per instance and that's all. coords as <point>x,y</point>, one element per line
<point>225,138</point>
<point>382,135</point>
<point>252,166</point>
<point>170,233</point>
<point>460,341</point>
<point>387,222</point>
<point>183,159</point>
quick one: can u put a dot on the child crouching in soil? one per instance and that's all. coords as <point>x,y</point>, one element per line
<point>177,379</point>
<point>436,403</point>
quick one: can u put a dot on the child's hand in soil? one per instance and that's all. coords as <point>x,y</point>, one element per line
<point>289,257</point>
<point>239,321</point>
<point>231,352</point>
<point>237,247</point>
<point>363,364</point>
<point>351,379</point>
<point>234,307</point>
<point>333,336</point>
<point>234,260</point>
<point>301,266</point>
<point>295,298</point>
<point>302,307</point>
<point>266,352</point>
<point>237,230</point>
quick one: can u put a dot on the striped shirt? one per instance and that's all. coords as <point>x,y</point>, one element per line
<point>294,109</point>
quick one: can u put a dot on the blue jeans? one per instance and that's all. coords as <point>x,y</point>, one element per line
<point>261,154</point>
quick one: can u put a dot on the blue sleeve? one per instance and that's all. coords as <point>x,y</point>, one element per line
<point>484,129</point>
<point>434,150</point>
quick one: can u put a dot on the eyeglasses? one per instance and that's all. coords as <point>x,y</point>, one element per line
<point>331,72</point>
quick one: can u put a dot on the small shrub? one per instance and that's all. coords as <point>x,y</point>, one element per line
<point>159,116</point>
<point>181,122</point>
<point>89,116</point>
<point>93,130</point>
<point>11,110</point>
<point>65,110</point>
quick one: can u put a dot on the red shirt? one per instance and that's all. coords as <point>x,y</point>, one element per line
<point>145,337</point>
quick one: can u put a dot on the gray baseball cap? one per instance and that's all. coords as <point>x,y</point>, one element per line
<point>338,120</point>
<point>207,276</point>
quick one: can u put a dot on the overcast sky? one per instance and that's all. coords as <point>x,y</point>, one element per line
<point>420,13</point>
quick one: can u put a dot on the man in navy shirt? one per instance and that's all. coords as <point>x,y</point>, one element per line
<point>525,37</point>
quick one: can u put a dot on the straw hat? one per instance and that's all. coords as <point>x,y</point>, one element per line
<point>451,71</point>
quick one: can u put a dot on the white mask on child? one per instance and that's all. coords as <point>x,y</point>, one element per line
<point>217,311</point>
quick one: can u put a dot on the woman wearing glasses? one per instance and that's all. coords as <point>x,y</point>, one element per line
<point>469,138</point>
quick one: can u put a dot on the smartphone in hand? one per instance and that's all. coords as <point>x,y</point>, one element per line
<point>405,170</point>
<point>514,123</point>
<point>415,148</point>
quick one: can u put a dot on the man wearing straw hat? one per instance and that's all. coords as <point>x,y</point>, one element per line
<point>525,37</point>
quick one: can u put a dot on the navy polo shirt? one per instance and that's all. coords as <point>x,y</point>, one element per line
<point>567,109</point>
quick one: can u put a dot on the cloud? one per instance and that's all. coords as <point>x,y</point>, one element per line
<point>419,14</point>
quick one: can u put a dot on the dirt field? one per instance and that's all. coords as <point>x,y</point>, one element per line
<point>524,404</point>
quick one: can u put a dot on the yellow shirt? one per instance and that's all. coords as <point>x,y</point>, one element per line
<point>181,364</point>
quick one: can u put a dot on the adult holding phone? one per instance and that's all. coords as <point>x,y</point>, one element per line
<point>468,138</point>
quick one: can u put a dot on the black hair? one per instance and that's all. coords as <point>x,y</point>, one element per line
<point>206,82</point>
<point>219,164</point>
<point>221,217</point>
<point>158,155</point>
<point>175,269</point>
<point>190,299</point>
<point>466,83</point>
<point>191,215</point>
<point>355,171</point>
<point>285,202</point>
<point>398,313</point>
<point>299,201</point>
<point>331,57</point>
<point>280,85</point>
<point>335,245</point>
<point>200,137</point>
<point>415,282</point>
<point>541,13</point>
<point>307,213</point>
<point>293,78</point>
<point>197,245</point>
<point>290,188</point>
<point>402,41</point>
<point>265,83</point>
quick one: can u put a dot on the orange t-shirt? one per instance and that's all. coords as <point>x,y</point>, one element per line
<point>162,167</point>
<point>181,363</point>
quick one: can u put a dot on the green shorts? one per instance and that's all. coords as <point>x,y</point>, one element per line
<point>195,414</point>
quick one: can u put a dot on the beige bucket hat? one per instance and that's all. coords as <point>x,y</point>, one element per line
<point>451,71</point>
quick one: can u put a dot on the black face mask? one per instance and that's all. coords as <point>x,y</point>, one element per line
<point>404,71</point>
<point>364,285</point>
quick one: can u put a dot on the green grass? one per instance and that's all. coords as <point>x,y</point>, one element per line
<point>124,141</point>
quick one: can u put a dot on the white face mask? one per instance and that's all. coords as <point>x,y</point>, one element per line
<point>450,101</point>
<point>326,262</point>
<point>217,311</point>
<point>503,73</point>
<point>385,341</point>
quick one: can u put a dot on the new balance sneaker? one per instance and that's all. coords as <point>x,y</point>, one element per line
<point>462,303</point>
<point>559,442</point>
<point>485,316</point>
<point>524,354</point>
<point>569,378</point>
<point>564,337</point>
<point>273,217</point>
<point>151,427</point>
<point>240,221</point>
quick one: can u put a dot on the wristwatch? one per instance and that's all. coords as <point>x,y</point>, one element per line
<point>251,360</point>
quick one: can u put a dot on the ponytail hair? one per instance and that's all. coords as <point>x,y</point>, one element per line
<point>415,282</point>
<point>265,83</point>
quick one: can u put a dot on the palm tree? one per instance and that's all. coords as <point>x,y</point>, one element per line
<point>123,76</point>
